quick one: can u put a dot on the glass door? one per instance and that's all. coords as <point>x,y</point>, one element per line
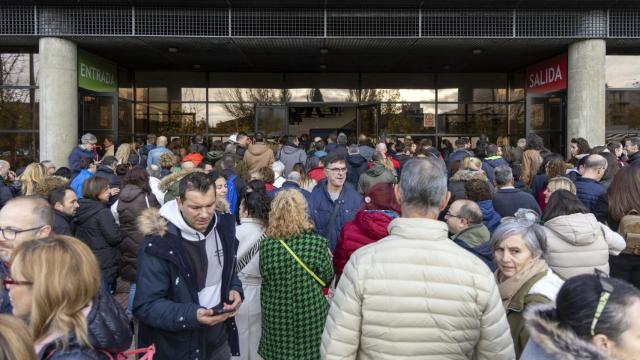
<point>546,116</point>
<point>368,116</point>
<point>98,116</point>
<point>271,120</point>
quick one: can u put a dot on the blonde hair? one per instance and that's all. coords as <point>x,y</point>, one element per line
<point>288,215</point>
<point>561,183</point>
<point>15,340</point>
<point>471,163</point>
<point>124,150</point>
<point>31,177</point>
<point>65,276</point>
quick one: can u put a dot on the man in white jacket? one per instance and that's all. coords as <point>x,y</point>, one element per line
<point>415,294</point>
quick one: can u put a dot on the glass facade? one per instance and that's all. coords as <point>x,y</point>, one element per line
<point>623,96</point>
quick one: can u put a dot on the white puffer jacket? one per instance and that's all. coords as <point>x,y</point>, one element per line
<point>578,244</point>
<point>416,295</point>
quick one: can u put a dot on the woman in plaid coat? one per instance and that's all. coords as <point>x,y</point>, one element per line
<point>294,308</point>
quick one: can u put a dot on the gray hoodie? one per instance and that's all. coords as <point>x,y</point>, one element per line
<point>290,155</point>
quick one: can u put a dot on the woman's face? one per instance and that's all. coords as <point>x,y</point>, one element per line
<point>628,345</point>
<point>20,296</point>
<point>547,193</point>
<point>512,255</point>
<point>104,195</point>
<point>618,151</point>
<point>499,152</point>
<point>221,187</point>
<point>574,149</point>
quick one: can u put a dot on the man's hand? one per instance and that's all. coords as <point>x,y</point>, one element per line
<point>236,301</point>
<point>206,317</point>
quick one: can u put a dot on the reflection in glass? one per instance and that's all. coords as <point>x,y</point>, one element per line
<point>222,117</point>
<point>125,117</point>
<point>19,149</point>
<point>98,112</point>
<point>16,111</point>
<point>516,119</point>
<point>125,85</point>
<point>271,120</point>
<point>448,95</point>
<point>323,95</point>
<point>407,118</point>
<point>516,86</point>
<point>488,119</point>
<point>622,72</point>
<point>186,118</point>
<point>623,110</point>
<point>242,95</point>
<point>398,95</point>
<point>14,69</point>
<point>545,113</point>
<point>193,94</point>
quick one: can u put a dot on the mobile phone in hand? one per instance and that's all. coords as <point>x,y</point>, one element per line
<point>222,311</point>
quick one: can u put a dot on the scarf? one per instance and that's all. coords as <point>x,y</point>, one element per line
<point>508,287</point>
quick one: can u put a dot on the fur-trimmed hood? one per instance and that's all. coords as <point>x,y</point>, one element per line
<point>468,175</point>
<point>169,180</point>
<point>545,335</point>
<point>49,183</point>
<point>150,222</point>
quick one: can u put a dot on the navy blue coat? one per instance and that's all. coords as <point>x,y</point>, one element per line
<point>490,217</point>
<point>321,208</point>
<point>166,299</point>
<point>589,192</point>
<point>483,252</point>
<point>74,158</point>
<point>634,159</point>
<point>356,165</point>
<point>287,185</point>
<point>491,163</point>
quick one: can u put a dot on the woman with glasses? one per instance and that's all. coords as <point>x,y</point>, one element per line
<point>523,277</point>
<point>56,285</point>
<point>595,317</point>
<point>97,228</point>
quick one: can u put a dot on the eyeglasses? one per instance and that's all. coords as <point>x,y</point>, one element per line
<point>10,234</point>
<point>605,294</point>
<point>449,214</point>
<point>9,281</point>
<point>337,170</point>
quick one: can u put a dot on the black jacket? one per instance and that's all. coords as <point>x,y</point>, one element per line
<point>507,201</point>
<point>62,224</point>
<point>5,193</point>
<point>356,166</point>
<point>106,172</point>
<point>108,329</point>
<point>166,299</point>
<point>97,228</point>
<point>634,159</point>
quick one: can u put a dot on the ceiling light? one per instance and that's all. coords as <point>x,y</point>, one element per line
<point>476,51</point>
<point>173,50</point>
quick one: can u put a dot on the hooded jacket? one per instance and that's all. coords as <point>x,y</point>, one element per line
<point>78,181</point>
<point>169,184</point>
<point>106,172</point>
<point>97,228</point>
<point>491,163</point>
<point>578,244</point>
<point>258,155</point>
<point>634,159</point>
<point>456,183</point>
<point>133,200</point>
<point>416,295</point>
<point>474,235</point>
<point>377,174</point>
<point>74,158</point>
<point>168,296</point>
<point>62,224</point>
<point>291,155</point>
<point>317,174</point>
<point>356,166</point>
<point>214,155</point>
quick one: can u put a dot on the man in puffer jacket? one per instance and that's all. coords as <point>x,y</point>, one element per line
<point>415,294</point>
<point>291,154</point>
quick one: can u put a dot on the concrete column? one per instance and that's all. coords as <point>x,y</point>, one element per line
<point>586,91</point>
<point>58,99</point>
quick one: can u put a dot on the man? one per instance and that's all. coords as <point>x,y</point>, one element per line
<point>235,184</point>
<point>632,146</point>
<point>402,154</point>
<point>243,142</point>
<point>50,166</point>
<point>259,155</point>
<point>364,147</point>
<point>292,182</point>
<point>588,187</point>
<point>356,164</point>
<point>64,202</point>
<point>5,175</point>
<point>334,202</point>
<point>331,143</point>
<point>107,170</point>
<point>161,148</point>
<point>240,167</point>
<point>199,141</point>
<point>492,160</point>
<point>464,220</point>
<point>186,269</point>
<point>109,148</point>
<point>462,151</point>
<point>290,154</point>
<point>507,200</point>
<point>318,149</point>
<point>416,294</point>
<point>150,145</point>
<point>341,146</point>
<point>519,150</point>
<point>84,150</point>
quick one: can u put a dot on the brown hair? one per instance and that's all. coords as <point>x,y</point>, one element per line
<point>555,167</point>
<point>139,177</point>
<point>624,192</point>
<point>93,187</point>
<point>477,190</point>
<point>288,215</point>
<point>15,340</point>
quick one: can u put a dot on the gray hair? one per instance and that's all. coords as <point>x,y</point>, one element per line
<point>522,225</point>
<point>88,138</point>
<point>295,177</point>
<point>342,139</point>
<point>162,141</point>
<point>503,175</point>
<point>381,147</point>
<point>423,184</point>
<point>153,170</point>
<point>277,167</point>
<point>230,149</point>
<point>4,168</point>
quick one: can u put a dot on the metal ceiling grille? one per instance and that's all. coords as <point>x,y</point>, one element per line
<point>319,23</point>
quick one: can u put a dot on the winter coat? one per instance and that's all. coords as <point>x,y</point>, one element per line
<point>340,150</point>
<point>578,244</point>
<point>321,207</point>
<point>97,228</point>
<point>550,341</point>
<point>290,155</point>
<point>589,192</point>
<point>74,158</point>
<point>5,193</point>
<point>367,227</point>
<point>456,183</point>
<point>490,217</point>
<point>366,151</point>
<point>154,155</point>
<point>634,159</point>
<point>62,224</point>
<point>483,252</point>
<point>288,185</point>
<point>133,200</point>
<point>106,172</point>
<point>108,330</point>
<point>416,295</point>
<point>356,166</point>
<point>507,201</point>
<point>377,174</point>
<point>169,184</point>
<point>457,155</point>
<point>167,299</point>
<point>214,156</point>
<point>78,182</point>
<point>402,159</point>
<point>258,155</point>
<point>491,163</point>
<point>317,174</point>
<point>474,235</point>
<point>240,168</point>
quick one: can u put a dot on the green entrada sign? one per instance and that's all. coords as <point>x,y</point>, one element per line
<point>96,73</point>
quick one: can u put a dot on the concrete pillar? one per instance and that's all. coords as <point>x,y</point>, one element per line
<point>58,99</point>
<point>586,91</point>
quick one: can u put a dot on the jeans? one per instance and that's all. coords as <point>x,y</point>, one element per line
<point>132,293</point>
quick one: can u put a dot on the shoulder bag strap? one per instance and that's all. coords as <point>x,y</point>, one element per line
<point>304,266</point>
<point>246,258</point>
<point>334,214</point>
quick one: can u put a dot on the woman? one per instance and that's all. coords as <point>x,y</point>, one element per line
<point>306,182</point>
<point>135,197</point>
<point>194,155</point>
<point>616,148</point>
<point>579,148</point>
<point>558,183</point>
<point>278,170</point>
<point>294,308</point>
<point>571,229</point>
<point>601,323</point>
<point>15,340</point>
<point>124,152</point>
<point>254,217</point>
<point>478,191</point>
<point>381,171</point>
<point>31,177</point>
<point>470,169</point>
<point>97,228</point>
<point>268,177</point>
<point>315,168</point>
<point>523,277</point>
<point>612,168</point>
<point>56,285</point>
<point>504,149</point>
<point>552,166</point>
<point>624,199</point>
<point>167,162</point>
<point>369,225</point>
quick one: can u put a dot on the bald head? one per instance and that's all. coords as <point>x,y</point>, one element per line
<point>595,167</point>
<point>381,147</point>
<point>463,214</point>
<point>24,218</point>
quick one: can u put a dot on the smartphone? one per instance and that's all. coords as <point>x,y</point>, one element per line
<point>222,311</point>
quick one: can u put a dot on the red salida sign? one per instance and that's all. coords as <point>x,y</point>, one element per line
<point>547,76</point>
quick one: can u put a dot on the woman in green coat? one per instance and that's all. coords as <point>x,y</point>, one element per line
<point>295,265</point>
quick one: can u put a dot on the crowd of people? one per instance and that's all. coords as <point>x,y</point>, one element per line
<point>332,248</point>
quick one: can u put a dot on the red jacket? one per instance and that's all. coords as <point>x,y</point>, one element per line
<point>317,173</point>
<point>367,227</point>
<point>394,162</point>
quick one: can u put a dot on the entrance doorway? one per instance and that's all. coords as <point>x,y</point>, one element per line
<point>546,116</point>
<point>98,115</point>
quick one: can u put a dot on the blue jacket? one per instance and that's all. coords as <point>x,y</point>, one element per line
<point>589,192</point>
<point>490,217</point>
<point>154,155</point>
<point>459,154</point>
<point>74,158</point>
<point>290,185</point>
<point>79,180</point>
<point>491,163</point>
<point>321,207</point>
<point>166,298</point>
<point>483,252</point>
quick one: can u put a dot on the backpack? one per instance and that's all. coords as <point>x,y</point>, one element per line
<point>629,228</point>
<point>232,194</point>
